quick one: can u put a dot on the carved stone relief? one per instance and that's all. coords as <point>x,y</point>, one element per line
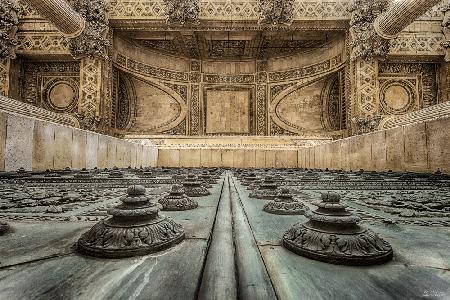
<point>365,42</point>
<point>182,11</point>
<point>93,41</point>
<point>276,12</point>
<point>299,108</point>
<point>148,106</point>
<point>51,85</point>
<point>424,74</point>
<point>9,20</point>
<point>229,110</point>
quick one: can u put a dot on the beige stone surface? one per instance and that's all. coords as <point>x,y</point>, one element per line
<point>345,159</point>
<point>111,153</point>
<point>102,152</point>
<point>395,147</point>
<point>189,158</point>
<point>378,160</point>
<point>239,158</point>
<point>227,158</point>
<point>43,151</point>
<point>63,148</point>
<point>79,141</point>
<point>3,124</point>
<point>270,159</point>
<point>416,154</point>
<point>91,150</point>
<point>438,145</point>
<point>249,158</point>
<point>206,158</point>
<point>227,111</point>
<point>19,141</point>
<point>260,158</point>
<point>216,158</point>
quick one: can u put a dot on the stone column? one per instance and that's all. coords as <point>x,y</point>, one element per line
<point>195,126</point>
<point>366,49</point>
<point>60,14</point>
<point>400,14</point>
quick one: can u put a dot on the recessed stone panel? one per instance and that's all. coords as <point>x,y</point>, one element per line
<point>228,111</point>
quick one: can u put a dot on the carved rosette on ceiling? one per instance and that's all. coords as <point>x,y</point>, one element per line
<point>93,41</point>
<point>9,19</point>
<point>276,12</point>
<point>366,43</point>
<point>182,12</point>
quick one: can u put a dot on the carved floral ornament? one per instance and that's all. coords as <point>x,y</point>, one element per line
<point>9,19</point>
<point>182,11</point>
<point>93,41</point>
<point>446,31</point>
<point>276,12</point>
<point>366,43</point>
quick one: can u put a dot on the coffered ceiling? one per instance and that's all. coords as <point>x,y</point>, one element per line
<point>231,45</point>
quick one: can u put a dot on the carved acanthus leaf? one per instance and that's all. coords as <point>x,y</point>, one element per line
<point>182,11</point>
<point>366,43</point>
<point>276,12</point>
<point>9,19</point>
<point>93,42</point>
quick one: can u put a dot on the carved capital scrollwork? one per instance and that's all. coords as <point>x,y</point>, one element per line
<point>366,43</point>
<point>182,11</point>
<point>276,12</point>
<point>93,41</point>
<point>9,19</point>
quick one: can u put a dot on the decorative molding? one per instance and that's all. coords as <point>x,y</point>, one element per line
<point>228,78</point>
<point>42,43</point>
<point>221,10</point>
<point>331,103</point>
<point>17,107</point>
<point>446,31</point>
<point>42,80</point>
<point>367,87</point>
<point>308,71</point>
<point>276,12</point>
<point>182,12</point>
<point>417,44</point>
<point>4,77</point>
<point>261,109</point>
<point>9,21</point>
<point>93,42</point>
<point>90,93</point>
<point>194,109</point>
<point>426,74</point>
<point>365,42</point>
<point>438,111</point>
<point>147,70</point>
<point>409,87</point>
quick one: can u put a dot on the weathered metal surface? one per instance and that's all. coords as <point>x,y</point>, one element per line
<point>254,282</point>
<point>219,281</point>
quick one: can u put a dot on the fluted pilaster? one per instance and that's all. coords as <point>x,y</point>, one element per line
<point>400,14</point>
